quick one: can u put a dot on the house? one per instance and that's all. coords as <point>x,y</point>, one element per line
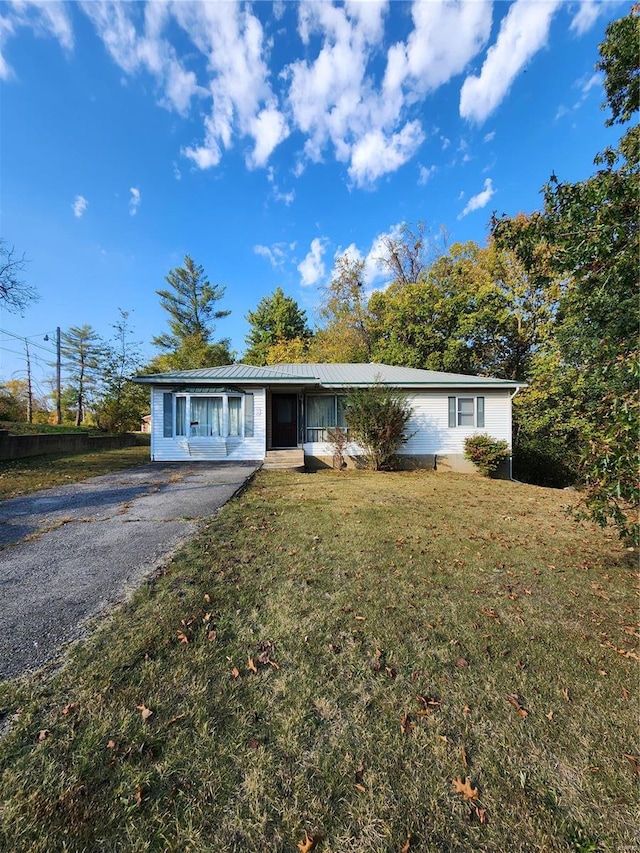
<point>282,414</point>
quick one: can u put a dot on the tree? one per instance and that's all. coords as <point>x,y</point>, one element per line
<point>408,253</point>
<point>377,418</point>
<point>589,232</point>
<point>190,303</point>
<point>15,293</point>
<point>122,403</point>
<point>474,310</point>
<point>278,319</point>
<point>82,353</point>
<point>345,335</point>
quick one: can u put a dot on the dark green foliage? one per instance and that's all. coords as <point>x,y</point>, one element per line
<point>190,303</point>
<point>277,318</point>
<point>377,418</point>
<point>82,358</point>
<point>121,404</point>
<point>486,453</point>
<point>588,237</point>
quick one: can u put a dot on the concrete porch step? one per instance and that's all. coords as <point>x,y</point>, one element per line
<point>290,459</point>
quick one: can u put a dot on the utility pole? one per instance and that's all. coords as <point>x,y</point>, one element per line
<point>29,389</point>
<point>58,386</point>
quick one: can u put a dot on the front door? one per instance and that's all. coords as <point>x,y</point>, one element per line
<point>284,420</point>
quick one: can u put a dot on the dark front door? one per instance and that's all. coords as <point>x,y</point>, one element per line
<point>284,420</point>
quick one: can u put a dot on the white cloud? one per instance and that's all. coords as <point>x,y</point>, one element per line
<point>134,201</point>
<point>312,268</point>
<point>489,137</point>
<point>268,129</point>
<point>586,16</point>
<point>424,173</point>
<point>79,206</point>
<point>277,254</point>
<point>375,154</point>
<point>476,202</point>
<point>44,17</point>
<point>523,32</point>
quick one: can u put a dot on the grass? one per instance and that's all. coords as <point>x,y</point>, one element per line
<point>24,476</point>
<point>24,428</point>
<point>325,658</point>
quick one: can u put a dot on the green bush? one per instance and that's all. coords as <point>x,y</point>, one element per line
<point>377,418</point>
<point>486,453</point>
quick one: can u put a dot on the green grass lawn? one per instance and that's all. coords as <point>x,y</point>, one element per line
<point>24,476</point>
<point>324,661</point>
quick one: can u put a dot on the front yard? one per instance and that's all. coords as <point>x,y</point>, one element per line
<point>347,662</point>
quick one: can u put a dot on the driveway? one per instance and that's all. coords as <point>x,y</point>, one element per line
<point>71,552</point>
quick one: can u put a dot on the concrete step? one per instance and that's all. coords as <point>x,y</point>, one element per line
<point>290,459</point>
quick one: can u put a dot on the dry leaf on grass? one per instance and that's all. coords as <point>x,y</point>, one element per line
<point>514,699</point>
<point>43,734</point>
<point>465,788</point>
<point>251,665</point>
<point>406,846</point>
<point>309,842</point>
<point>138,795</point>
<point>145,712</point>
<point>405,724</point>
<point>235,672</point>
<point>71,708</point>
<point>634,760</point>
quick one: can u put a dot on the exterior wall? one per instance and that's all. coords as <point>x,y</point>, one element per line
<point>432,439</point>
<point>181,449</point>
<point>39,444</point>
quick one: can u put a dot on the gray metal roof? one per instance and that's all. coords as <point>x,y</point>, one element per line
<point>327,375</point>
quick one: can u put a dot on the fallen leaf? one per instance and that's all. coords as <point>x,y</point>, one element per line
<point>111,744</point>
<point>211,636</point>
<point>145,712</point>
<point>462,662</point>
<point>253,743</point>
<point>207,598</point>
<point>549,716</point>
<point>71,708</point>
<point>182,637</point>
<point>463,756</point>
<point>138,795</point>
<point>481,813</point>
<point>514,700</point>
<point>176,718</point>
<point>565,693</point>
<point>466,710</point>
<point>309,842</point>
<point>406,846</point>
<point>252,665</point>
<point>43,734</point>
<point>465,788</point>
<point>634,760</point>
<point>235,672</point>
<point>405,724</point>
<point>360,788</point>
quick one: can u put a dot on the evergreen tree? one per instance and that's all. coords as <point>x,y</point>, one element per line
<point>82,354</point>
<point>277,320</point>
<point>190,302</point>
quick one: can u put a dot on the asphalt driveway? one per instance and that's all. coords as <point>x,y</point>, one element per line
<point>71,552</point>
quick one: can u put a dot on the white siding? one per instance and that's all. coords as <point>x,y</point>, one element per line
<point>429,425</point>
<point>181,449</point>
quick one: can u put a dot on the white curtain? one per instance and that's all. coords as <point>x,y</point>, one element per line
<point>235,405</point>
<point>206,416</point>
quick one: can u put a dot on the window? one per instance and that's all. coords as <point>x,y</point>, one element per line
<point>324,413</point>
<point>466,412</point>
<point>210,416</point>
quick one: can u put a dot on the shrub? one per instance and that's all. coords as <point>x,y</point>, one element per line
<point>486,453</point>
<point>377,418</point>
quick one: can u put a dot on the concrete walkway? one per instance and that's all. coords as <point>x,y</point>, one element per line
<point>73,551</point>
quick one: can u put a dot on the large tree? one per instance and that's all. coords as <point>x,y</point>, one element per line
<point>121,403</point>
<point>190,301</point>
<point>344,335</point>
<point>277,320</point>
<point>589,232</point>
<point>82,357</point>
<point>15,292</point>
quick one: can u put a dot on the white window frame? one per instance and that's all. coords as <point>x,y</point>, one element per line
<point>189,425</point>
<point>321,434</point>
<point>479,411</point>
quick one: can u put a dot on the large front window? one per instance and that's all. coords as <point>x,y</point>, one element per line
<point>324,413</point>
<point>208,416</point>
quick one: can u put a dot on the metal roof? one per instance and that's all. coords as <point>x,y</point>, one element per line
<point>327,375</point>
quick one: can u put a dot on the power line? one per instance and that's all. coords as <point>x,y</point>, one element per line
<point>25,340</point>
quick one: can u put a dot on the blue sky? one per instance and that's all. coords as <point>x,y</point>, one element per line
<point>264,138</point>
